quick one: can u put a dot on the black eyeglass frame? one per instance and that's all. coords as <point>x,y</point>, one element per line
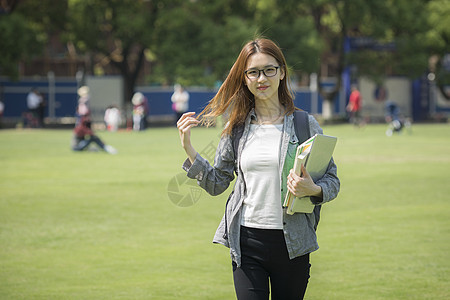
<point>263,71</point>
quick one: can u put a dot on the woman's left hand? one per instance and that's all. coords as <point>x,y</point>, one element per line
<point>302,186</point>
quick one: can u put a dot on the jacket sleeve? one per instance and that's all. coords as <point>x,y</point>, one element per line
<point>330,182</point>
<point>213,179</point>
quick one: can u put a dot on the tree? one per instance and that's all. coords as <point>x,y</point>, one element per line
<point>25,27</point>
<point>197,43</point>
<point>397,47</point>
<point>284,22</point>
<point>118,30</point>
<point>18,41</point>
<point>312,33</point>
<point>400,23</point>
<point>438,42</point>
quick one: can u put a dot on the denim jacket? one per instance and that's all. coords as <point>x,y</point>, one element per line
<point>298,229</point>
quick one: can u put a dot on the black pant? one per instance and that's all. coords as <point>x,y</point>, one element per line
<point>81,144</point>
<point>264,257</point>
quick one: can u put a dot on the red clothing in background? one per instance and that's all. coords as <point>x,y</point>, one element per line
<point>355,101</point>
<point>83,128</point>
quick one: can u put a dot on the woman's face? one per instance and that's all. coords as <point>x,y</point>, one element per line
<point>263,86</point>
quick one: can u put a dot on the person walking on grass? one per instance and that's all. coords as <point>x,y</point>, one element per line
<point>354,106</point>
<point>269,249</point>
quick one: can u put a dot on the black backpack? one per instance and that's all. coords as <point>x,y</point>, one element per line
<point>301,120</point>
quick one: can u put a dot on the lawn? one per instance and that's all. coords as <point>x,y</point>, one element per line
<point>129,226</point>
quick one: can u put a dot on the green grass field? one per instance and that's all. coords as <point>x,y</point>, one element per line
<point>97,226</point>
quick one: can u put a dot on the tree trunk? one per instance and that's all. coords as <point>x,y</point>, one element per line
<point>329,94</point>
<point>128,88</point>
<point>129,71</point>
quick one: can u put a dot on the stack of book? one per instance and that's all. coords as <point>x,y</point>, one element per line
<point>315,154</point>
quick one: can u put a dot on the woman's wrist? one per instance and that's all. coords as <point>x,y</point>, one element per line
<point>191,153</point>
<point>317,191</point>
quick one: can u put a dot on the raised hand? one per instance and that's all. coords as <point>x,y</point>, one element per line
<point>184,125</point>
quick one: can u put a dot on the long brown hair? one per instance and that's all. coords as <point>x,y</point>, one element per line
<point>234,98</point>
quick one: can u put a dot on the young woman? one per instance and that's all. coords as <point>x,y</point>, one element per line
<point>267,246</point>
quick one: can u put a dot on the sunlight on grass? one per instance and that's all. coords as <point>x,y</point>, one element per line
<point>98,226</point>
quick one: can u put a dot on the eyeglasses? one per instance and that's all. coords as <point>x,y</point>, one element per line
<point>255,73</point>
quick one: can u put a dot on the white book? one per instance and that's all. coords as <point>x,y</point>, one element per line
<point>315,154</point>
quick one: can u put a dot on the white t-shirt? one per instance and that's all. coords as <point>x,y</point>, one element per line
<point>33,100</point>
<point>260,166</point>
<point>181,100</point>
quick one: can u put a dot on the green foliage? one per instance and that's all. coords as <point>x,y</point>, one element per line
<point>439,33</point>
<point>299,42</point>
<point>438,39</point>
<point>97,226</point>
<point>19,41</point>
<point>47,16</point>
<point>398,22</point>
<point>295,35</point>
<point>195,42</point>
<point>178,33</point>
<point>195,49</point>
<point>118,31</point>
<point>104,26</point>
<point>25,31</point>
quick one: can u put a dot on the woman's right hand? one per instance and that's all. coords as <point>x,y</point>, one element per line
<point>184,125</point>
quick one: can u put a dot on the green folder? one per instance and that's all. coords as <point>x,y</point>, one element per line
<point>315,154</point>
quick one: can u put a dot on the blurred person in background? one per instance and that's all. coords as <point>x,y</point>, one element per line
<point>180,100</point>
<point>34,102</point>
<point>354,106</point>
<point>270,250</point>
<point>112,118</point>
<point>83,136</point>
<point>396,122</point>
<point>140,111</point>
<point>83,103</point>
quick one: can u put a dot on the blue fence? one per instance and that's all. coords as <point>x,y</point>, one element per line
<point>14,96</point>
<point>64,98</point>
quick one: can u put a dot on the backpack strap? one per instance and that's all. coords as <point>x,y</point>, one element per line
<point>301,125</point>
<point>236,135</point>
